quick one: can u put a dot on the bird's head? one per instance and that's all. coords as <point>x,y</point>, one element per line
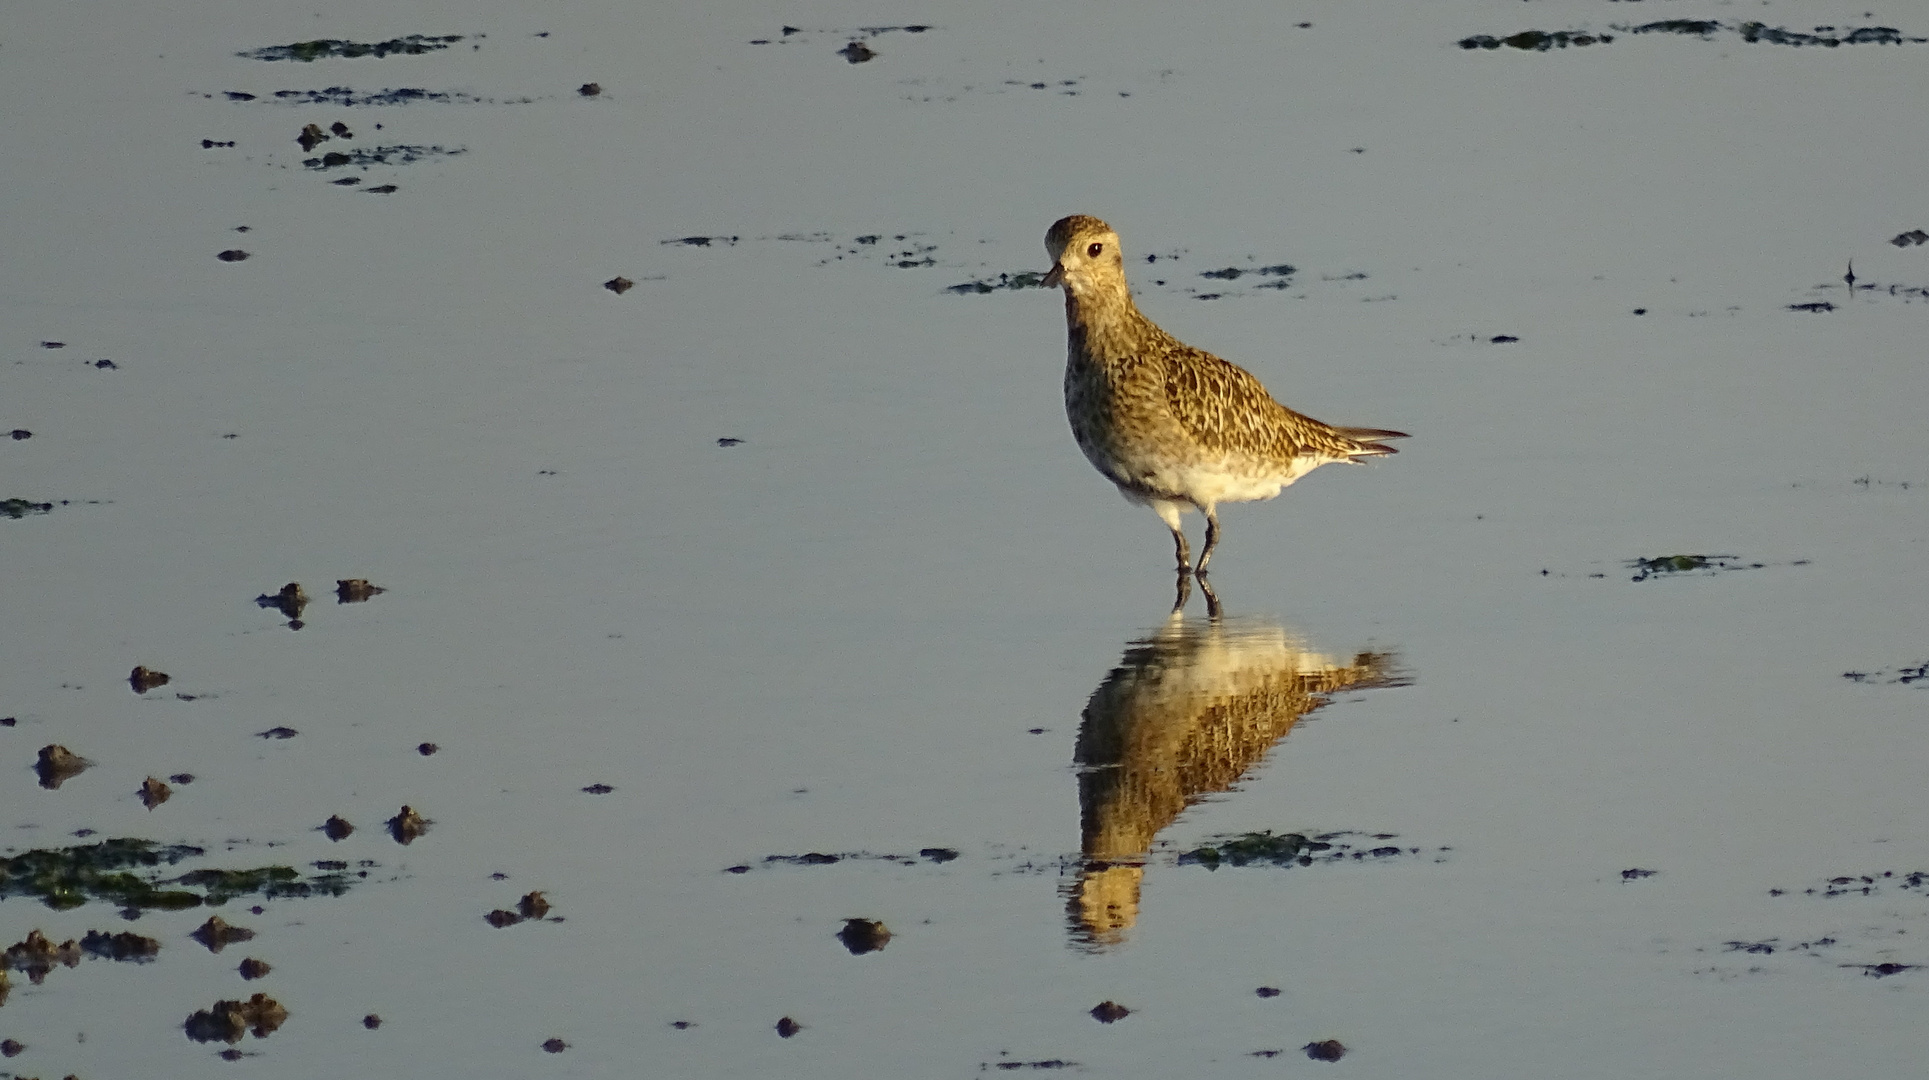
<point>1085,256</point>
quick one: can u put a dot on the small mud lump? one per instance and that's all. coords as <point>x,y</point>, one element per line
<point>216,934</point>
<point>1110,1012</point>
<point>861,936</point>
<point>228,1021</point>
<point>407,825</point>
<point>1326,1050</point>
<point>154,792</point>
<point>57,765</point>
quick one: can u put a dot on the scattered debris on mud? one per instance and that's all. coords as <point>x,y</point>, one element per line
<point>862,936</point>
<point>310,51</point>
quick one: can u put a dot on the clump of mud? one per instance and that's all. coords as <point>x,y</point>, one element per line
<point>144,679</point>
<point>217,934</point>
<point>57,765</point>
<point>154,792</point>
<point>407,825</point>
<point>1325,1050</point>
<point>862,936</point>
<point>228,1021</point>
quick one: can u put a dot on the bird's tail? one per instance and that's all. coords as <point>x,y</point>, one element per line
<point>1369,441</point>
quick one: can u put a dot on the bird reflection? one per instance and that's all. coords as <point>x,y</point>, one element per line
<point>1191,708</point>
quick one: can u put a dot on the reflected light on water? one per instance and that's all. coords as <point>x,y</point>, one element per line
<point>1190,710</point>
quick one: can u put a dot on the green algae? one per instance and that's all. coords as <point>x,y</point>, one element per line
<point>310,51</point>
<point>112,871</point>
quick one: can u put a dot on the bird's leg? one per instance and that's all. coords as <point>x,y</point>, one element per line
<point>1183,550</point>
<point>1183,591</point>
<point>1212,539</point>
<point>1212,599</point>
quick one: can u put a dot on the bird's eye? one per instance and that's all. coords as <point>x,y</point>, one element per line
<point>1093,251</point>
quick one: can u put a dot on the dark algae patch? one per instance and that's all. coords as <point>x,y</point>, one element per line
<point>1024,279</point>
<point>326,48</point>
<point>19,508</point>
<point>1753,33</point>
<point>379,155</point>
<point>1699,565</point>
<point>1535,40</point>
<point>121,872</point>
<point>1288,849</point>
<point>1902,676</point>
<point>819,858</point>
<point>348,97</point>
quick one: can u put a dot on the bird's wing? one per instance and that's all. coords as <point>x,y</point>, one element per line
<point>1227,410</point>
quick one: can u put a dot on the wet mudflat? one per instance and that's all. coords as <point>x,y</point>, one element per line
<point>738,672</point>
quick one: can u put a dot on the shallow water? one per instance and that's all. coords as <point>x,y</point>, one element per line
<point>902,615</point>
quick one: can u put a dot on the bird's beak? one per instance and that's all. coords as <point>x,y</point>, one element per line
<point>1053,277</point>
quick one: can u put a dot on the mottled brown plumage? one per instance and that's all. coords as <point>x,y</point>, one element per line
<point>1173,426</point>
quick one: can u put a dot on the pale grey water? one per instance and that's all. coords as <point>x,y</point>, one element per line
<point>837,635</point>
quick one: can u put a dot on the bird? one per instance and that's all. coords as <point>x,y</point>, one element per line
<point>1175,427</point>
